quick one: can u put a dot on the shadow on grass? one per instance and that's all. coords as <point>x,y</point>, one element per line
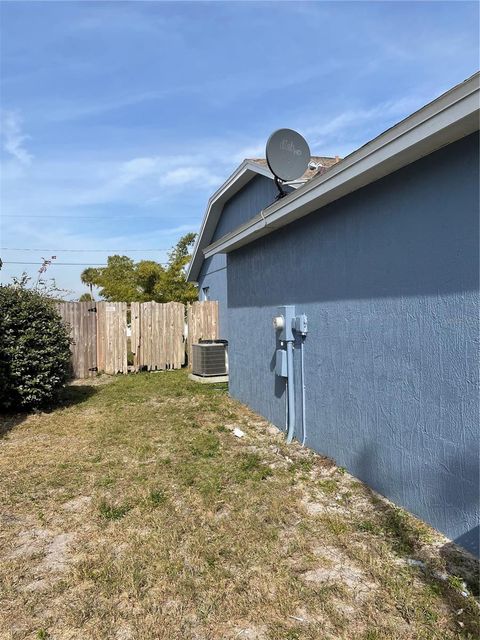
<point>70,396</point>
<point>10,421</point>
<point>73,395</point>
<point>409,539</point>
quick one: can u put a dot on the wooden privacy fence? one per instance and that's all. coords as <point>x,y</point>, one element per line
<point>158,334</point>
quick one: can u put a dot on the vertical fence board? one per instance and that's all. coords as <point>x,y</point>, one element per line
<point>146,333</point>
<point>135,333</point>
<point>178,330</point>
<point>101,354</point>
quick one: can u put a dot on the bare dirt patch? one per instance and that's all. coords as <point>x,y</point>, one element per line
<point>337,568</point>
<point>95,381</point>
<point>30,543</point>
<point>249,633</point>
<point>81,503</point>
<point>56,553</point>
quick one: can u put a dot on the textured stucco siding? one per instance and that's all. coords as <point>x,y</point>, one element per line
<point>245,204</point>
<point>255,195</point>
<point>388,277</point>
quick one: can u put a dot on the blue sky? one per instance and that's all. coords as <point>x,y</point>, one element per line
<point>119,119</point>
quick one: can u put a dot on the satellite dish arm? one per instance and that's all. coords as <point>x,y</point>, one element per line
<point>281,192</point>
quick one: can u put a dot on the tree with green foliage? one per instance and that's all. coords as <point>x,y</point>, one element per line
<point>116,281</point>
<point>34,348</point>
<point>123,280</point>
<point>86,297</point>
<point>87,277</point>
<point>148,274</point>
<point>173,285</point>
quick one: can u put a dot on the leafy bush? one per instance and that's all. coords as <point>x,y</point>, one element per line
<point>34,349</point>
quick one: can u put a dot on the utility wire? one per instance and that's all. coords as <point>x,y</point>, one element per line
<point>77,250</point>
<point>70,264</point>
<point>63,264</point>
<point>112,218</point>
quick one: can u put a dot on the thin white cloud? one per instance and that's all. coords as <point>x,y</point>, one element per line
<point>56,187</point>
<point>189,175</point>
<point>65,111</point>
<point>251,151</point>
<point>137,169</point>
<point>339,133</point>
<point>343,132</point>
<point>356,118</point>
<point>14,138</point>
<point>217,92</point>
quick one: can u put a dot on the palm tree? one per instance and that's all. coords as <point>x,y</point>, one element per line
<point>88,277</point>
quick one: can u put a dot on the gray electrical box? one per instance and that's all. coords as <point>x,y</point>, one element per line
<point>301,325</point>
<point>285,332</point>
<point>281,363</point>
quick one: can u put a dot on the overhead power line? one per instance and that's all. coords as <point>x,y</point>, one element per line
<point>69,264</point>
<point>60,264</point>
<point>76,250</point>
<point>46,215</point>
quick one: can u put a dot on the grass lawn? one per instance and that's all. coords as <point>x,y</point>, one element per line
<point>134,513</point>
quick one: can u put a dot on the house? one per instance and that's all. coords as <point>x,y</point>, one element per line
<point>380,253</point>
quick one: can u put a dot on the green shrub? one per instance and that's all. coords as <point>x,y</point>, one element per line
<point>34,349</point>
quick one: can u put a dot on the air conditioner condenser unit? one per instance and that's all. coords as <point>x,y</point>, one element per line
<point>209,358</point>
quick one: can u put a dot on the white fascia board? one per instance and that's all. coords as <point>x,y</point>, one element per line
<point>239,178</point>
<point>452,116</point>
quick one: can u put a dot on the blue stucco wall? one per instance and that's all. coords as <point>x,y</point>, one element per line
<point>255,195</point>
<point>388,277</point>
<point>246,204</point>
<point>214,276</point>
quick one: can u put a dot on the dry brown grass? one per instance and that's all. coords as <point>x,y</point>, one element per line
<point>134,513</point>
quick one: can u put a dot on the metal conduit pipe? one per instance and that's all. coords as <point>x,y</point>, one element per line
<point>286,405</point>
<point>302,367</point>
<point>291,392</point>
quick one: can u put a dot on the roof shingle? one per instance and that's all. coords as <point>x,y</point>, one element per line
<point>324,162</point>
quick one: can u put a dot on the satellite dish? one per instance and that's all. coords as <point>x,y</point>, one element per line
<point>287,155</point>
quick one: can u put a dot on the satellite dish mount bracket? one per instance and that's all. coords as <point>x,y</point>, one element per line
<point>281,192</point>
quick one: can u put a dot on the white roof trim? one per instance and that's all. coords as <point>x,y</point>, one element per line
<point>239,178</point>
<point>450,117</point>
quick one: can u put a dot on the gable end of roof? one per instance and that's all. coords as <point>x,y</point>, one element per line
<point>239,178</point>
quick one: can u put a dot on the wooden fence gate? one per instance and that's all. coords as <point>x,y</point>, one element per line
<point>82,319</point>
<point>158,334</point>
<point>112,354</point>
